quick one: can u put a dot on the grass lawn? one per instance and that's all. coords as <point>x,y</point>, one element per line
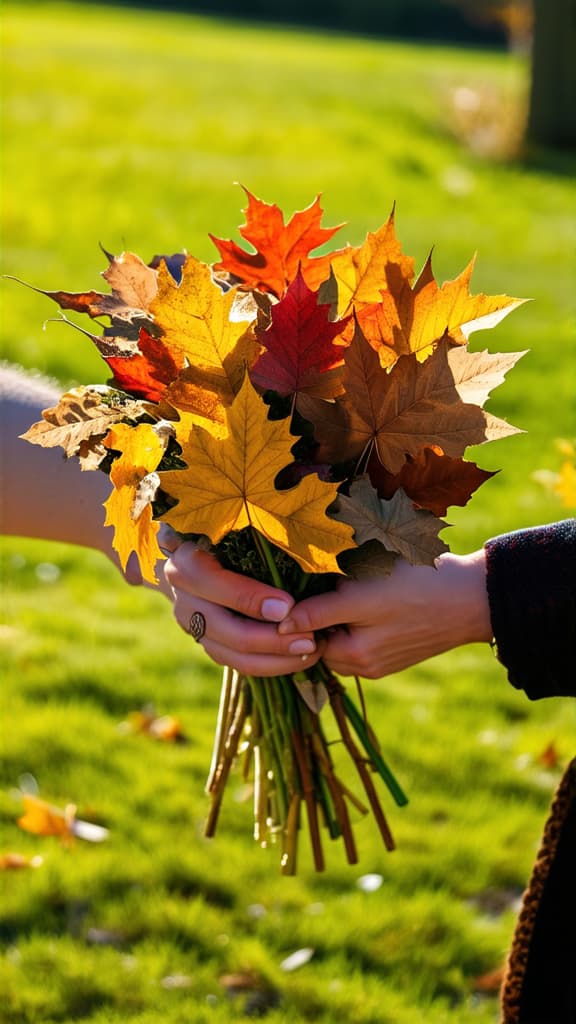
<point>129,129</point>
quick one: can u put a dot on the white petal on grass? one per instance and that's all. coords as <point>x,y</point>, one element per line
<point>370,883</point>
<point>299,958</point>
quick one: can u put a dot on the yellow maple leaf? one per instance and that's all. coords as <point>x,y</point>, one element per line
<point>229,484</point>
<point>359,271</point>
<point>197,319</point>
<point>142,451</point>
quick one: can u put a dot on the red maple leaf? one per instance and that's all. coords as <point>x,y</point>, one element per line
<point>147,373</point>
<point>300,350</point>
<point>431,479</point>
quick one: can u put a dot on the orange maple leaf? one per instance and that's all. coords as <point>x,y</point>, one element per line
<point>414,319</point>
<point>280,248</point>
<point>141,451</point>
<point>229,484</point>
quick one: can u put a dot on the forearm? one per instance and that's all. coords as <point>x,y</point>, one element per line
<point>44,495</point>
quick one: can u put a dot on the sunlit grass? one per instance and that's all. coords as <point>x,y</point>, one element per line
<point>129,128</point>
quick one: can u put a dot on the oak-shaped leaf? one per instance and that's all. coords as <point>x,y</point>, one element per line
<point>141,449</point>
<point>194,320</point>
<point>397,413</point>
<point>432,480</point>
<point>410,319</point>
<point>300,354</point>
<point>229,484</point>
<point>395,523</point>
<point>280,248</point>
<point>80,421</point>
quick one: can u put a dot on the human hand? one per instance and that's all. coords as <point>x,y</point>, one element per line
<point>385,624</point>
<point>241,615</point>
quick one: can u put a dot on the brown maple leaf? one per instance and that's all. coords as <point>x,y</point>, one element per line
<point>80,420</point>
<point>300,353</point>
<point>398,413</point>
<point>280,248</point>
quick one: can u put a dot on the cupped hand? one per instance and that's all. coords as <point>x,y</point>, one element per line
<point>241,614</point>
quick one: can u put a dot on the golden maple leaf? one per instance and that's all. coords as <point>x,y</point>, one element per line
<point>359,271</point>
<point>229,484</point>
<point>196,320</point>
<point>141,451</point>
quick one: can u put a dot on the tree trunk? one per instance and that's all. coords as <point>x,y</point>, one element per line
<point>552,111</point>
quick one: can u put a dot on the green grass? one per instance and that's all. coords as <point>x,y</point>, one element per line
<point>129,129</point>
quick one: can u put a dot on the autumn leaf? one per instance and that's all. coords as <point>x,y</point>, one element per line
<point>80,421</point>
<point>414,406</point>
<point>17,861</point>
<point>141,451</point>
<point>395,523</point>
<point>359,272</point>
<point>43,819</point>
<point>413,319</point>
<point>148,371</point>
<point>229,484</point>
<point>194,318</point>
<point>433,481</point>
<point>300,351</point>
<point>280,248</point>
<point>133,286</point>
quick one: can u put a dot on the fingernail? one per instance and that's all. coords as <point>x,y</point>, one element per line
<point>274,609</point>
<point>302,647</point>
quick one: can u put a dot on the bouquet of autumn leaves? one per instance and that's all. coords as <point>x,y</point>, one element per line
<point>303,417</point>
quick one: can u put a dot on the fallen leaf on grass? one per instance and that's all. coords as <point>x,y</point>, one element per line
<point>44,819</point>
<point>17,861</point>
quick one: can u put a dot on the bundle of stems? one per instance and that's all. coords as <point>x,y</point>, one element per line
<point>273,727</point>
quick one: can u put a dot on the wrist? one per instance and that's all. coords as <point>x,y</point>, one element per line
<point>465,576</point>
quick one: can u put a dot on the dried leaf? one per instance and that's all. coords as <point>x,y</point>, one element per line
<point>18,861</point>
<point>395,523</point>
<point>280,248</point>
<point>81,419</point>
<point>229,484</point>
<point>43,819</point>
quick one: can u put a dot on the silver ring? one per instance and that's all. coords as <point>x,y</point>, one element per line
<point>197,626</point>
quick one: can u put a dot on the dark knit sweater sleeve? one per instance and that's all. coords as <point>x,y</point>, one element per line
<point>531,581</point>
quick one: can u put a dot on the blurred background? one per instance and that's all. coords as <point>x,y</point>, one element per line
<point>128,126</point>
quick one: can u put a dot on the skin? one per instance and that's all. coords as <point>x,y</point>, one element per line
<point>44,495</point>
<point>261,631</point>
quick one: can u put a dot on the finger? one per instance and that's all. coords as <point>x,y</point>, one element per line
<point>240,635</point>
<point>200,574</point>
<point>320,612</point>
<point>251,664</point>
